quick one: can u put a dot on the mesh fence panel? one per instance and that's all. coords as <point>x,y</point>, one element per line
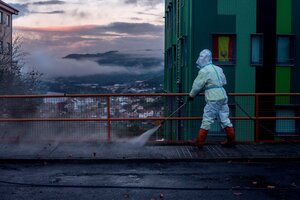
<point>115,117</point>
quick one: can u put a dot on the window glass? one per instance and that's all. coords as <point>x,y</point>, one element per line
<point>1,47</point>
<point>1,17</point>
<point>285,127</point>
<point>285,50</point>
<point>256,49</point>
<point>8,48</point>
<point>7,20</point>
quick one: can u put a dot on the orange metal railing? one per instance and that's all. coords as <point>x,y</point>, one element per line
<point>80,115</point>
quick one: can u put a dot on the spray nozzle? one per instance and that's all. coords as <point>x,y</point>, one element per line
<point>158,123</point>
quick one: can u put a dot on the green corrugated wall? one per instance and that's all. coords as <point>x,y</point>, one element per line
<point>245,12</point>
<point>284,26</point>
<point>198,20</point>
<point>221,16</point>
<point>205,21</point>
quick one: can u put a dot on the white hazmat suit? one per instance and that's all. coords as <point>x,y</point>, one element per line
<point>211,78</point>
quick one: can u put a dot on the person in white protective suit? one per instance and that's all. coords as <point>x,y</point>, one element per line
<point>211,79</point>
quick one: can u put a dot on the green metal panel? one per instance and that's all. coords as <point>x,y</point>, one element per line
<point>170,37</point>
<point>207,21</point>
<point>284,26</point>
<point>295,87</point>
<point>189,28</point>
<point>284,21</point>
<point>203,13</point>
<point>189,75</point>
<point>245,12</point>
<point>283,77</point>
<point>204,22</point>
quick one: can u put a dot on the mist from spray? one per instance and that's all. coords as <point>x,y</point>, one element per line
<point>141,140</point>
<point>60,141</point>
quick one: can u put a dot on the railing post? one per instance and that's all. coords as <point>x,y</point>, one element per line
<point>256,139</point>
<point>108,118</point>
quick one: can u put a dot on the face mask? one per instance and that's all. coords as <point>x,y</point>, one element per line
<point>198,62</point>
<point>204,58</point>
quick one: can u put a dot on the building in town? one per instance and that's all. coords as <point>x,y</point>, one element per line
<point>6,13</point>
<point>254,41</point>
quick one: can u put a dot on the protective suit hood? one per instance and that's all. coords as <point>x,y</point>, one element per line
<point>204,59</point>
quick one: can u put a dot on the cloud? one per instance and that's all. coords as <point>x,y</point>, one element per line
<point>151,14</point>
<point>136,19</point>
<point>94,32</point>
<point>50,12</point>
<point>135,28</point>
<point>103,63</point>
<point>53,2</point>
<point>87,28</point>
<point>74,12</point>
<point>52,66</point>
<point>24,9</point>
<point>139,45</point>
<point>115,58</point>
<point>151,3</point>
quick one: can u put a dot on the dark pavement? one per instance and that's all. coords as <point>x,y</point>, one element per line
<point>125,171</point>
<point>125,151</point>
<point>155,180</point>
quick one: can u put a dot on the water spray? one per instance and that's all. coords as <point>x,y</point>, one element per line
<point>142,139</point>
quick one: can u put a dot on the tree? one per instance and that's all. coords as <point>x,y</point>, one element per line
<point>13,81</point>
<point>12,62</point>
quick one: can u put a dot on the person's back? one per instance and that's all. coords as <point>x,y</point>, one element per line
<point>214,84</point>
<point>210,77</point>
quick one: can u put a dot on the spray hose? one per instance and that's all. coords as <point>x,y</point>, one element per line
<point>162,122</point>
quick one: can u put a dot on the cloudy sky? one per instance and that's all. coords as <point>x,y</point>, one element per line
<point>117,35</point>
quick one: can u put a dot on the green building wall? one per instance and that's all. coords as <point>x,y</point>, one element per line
<point>244,79</point>
<point>284,26</point>
<point>190,25</point>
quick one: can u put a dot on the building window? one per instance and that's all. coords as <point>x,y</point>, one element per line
<point>257,49</point>
<point>8,20</point>
<point>285,127</point>
<point>1,17</point>
<point>184,51</point>
<point>224,49</point>
<point>285,50</point>
<point>8,48</point>
<point>1,47</point>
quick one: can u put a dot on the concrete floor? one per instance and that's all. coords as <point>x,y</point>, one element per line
<point>150,180</point>
<point>125,151</point>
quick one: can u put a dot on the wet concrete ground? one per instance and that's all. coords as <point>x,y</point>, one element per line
<point>150,180</point>
<point>106,152</point>
<point>118,171</point>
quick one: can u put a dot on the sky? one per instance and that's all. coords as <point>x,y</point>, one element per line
<point>130,31</point>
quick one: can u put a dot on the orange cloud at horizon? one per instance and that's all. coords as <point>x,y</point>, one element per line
<point>55,28</point>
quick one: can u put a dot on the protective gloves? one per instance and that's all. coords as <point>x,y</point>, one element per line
<point>190,98</point>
